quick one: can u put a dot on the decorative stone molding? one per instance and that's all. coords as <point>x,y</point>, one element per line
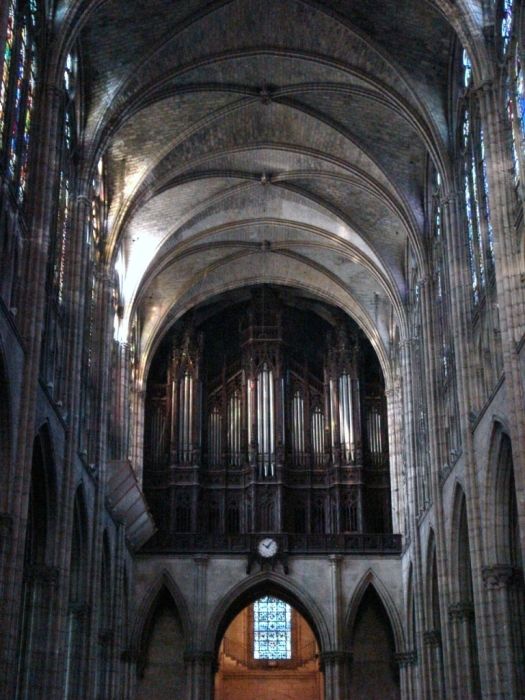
<point>497,576</point>
<point>462,610</point>
<point>406,658</point>
<point>335,658</point>
<point>432,638</point>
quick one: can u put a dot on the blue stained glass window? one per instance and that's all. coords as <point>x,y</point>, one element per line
<point>506,22</point>
<point>272,629</point>
<point>467,69</point>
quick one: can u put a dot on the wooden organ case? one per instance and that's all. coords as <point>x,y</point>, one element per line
<point>266,419</point>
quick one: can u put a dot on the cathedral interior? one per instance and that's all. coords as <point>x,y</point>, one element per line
<point>262,349</point>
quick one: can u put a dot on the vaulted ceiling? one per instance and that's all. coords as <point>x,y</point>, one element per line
<point>267,140</point>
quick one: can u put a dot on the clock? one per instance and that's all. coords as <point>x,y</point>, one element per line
<point>267,548</point>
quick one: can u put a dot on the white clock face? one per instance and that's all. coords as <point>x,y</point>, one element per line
<point>267,547</point>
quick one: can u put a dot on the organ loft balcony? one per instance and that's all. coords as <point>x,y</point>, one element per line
<point>266,413</point>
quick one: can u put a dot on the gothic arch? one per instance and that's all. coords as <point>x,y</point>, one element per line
<point>146,610</point>
<point>410,610</point>
<point>371,580</point>
<point>459,528</point>
<point>499,483</point>
<point>431,590</point>
<point>48,487</point>
<point>266,583</point>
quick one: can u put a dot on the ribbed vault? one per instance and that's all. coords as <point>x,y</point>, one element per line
<point>250,141</point>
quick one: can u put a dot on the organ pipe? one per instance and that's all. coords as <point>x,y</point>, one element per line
<point>234,429</point>
<point>318,436</point>
<point>345,418</point>
<point>265,422</point>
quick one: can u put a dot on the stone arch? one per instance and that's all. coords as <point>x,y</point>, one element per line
<point>431,584</point>
<point>373,633</point>
<point>459,542</point>
<point>77,620</point>
<point>370,579</point>
<point>266,583</point>
<point>498,495</point>
<point>146,609</point>
<point>410,611</point>
<point>38,575</point>
<point>160,642</point>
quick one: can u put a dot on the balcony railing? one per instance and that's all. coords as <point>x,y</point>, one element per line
<point>290,543</point>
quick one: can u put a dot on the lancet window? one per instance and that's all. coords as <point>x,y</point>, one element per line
<point>512,61</point>
<point>17,90</point>
<point>446,377</point>
<point>52,356</point>
<point>475,188</point>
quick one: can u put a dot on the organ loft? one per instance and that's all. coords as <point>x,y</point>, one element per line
<point>266,417</point>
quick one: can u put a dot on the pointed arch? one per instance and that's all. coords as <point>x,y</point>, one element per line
<point>499,495</point>
<point>371,580</point>
<point>266,583</point>
<point>146,610</point>
<point>410,611</point>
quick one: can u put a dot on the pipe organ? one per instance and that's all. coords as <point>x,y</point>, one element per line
<point>271,420</point>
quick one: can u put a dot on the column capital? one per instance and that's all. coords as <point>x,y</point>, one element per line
<point>462,610</point>
<point>406,658</point>
<point>201,559</point>
<point>432,638</point>
<point>497,576</point>
<point>335,657</point>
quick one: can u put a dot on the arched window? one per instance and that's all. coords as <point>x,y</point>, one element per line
<point>66,179</point>
<point>475,188</point>
<point>17,91</point>
<point>514,84</point>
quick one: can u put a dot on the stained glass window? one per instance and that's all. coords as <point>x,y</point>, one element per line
<point>6,64</point>
<point>65,181</point>
<point>506,22</point>
<point>514,91</point>
<point>272,629</point>
<point>23,61</point>
<point>476,189</point>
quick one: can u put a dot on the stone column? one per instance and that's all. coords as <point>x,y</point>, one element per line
<point>32,299</point>
<point>510,289</point>
<point>461,615</point>
<point>502,677</point>
<point>200,675</point>
<point>199,659</point>
<point>434,663</point>
<point>407,661</point>
<point>335,662</point>
<point>335,666</point>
